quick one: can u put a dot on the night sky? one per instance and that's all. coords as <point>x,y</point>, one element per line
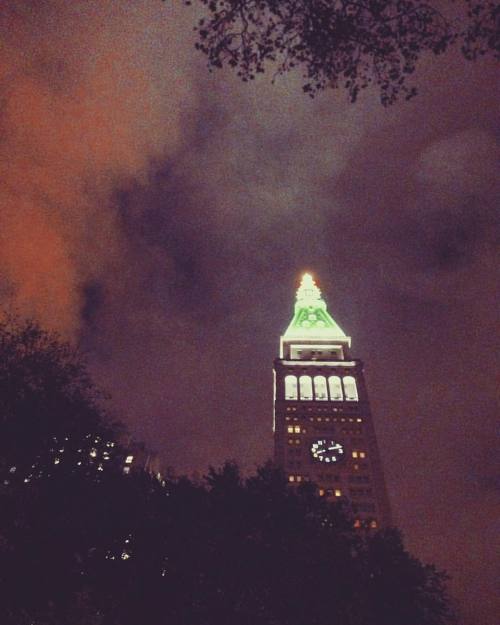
<point>161,216</point>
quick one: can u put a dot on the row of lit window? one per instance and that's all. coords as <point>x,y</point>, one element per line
<point>372,524</point>
<point>328,419</point>
<point>298,478</point>
<point>318,409</point>
<point>337,492</point>
<point>337,388</point>
<point>336,419</point>
<point>328,492</point>
<point>297,429</point>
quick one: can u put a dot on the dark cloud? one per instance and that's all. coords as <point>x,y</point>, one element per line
<point>161,216</point>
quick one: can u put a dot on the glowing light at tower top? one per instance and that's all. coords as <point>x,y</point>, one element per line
<point>311,318</point>
<point>308,291</point>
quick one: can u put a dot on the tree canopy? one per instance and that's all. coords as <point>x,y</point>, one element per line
<point>84,543</point>
<point>347,44</point>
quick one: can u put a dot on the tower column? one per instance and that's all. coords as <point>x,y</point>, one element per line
<point>323,426</point>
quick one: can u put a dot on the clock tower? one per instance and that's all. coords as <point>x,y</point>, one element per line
<point>323,427</point>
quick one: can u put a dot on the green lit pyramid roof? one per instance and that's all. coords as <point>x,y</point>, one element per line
<point>311,319</point>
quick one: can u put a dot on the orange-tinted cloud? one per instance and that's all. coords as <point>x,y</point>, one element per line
<point>83,111</point>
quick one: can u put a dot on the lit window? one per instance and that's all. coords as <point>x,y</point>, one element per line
<point>126,470</point>
<point>373,524</point>
<point>320,392</point>
<point>291,478</point>
<point>299,478</point>
<point>290,429</point>
<point>357,523</point>
<point>290,387</point>
<point>306,391</point>
<point>338,492</point>
<point>354,454</point>
<point>296,429</point>
<point>93,453</point>
<point>362,454</point>
<point>129,459</point>
<point>351,391</point>
<point>335,388</point>
<point>321,492</point>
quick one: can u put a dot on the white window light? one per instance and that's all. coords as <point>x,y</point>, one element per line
<point>350,388</point>
<point>320,392</point>
<point>335,388</point>
<point>306,391</point>
<point>290,387</point>
<point>129,459</point>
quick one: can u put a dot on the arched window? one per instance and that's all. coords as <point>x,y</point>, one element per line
<point>335,388</point>
<point>350,389</point>
<point>320,392</point>
<point>306,389</point>
<point>290,387</point>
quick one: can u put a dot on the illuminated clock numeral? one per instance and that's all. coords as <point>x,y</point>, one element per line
<point>327,451</point>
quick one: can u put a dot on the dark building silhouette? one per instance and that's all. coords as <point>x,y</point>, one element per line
<point>323,427</point>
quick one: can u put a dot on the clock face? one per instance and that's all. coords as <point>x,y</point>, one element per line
<point>325,450</point>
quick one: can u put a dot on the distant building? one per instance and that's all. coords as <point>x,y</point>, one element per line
<point>323,427</point>
<point>138,458</point>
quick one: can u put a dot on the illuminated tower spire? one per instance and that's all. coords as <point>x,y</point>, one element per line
<point>308,291</point>
<point>323,427</point>
<point>312,325</point>
<point>311,318</point>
